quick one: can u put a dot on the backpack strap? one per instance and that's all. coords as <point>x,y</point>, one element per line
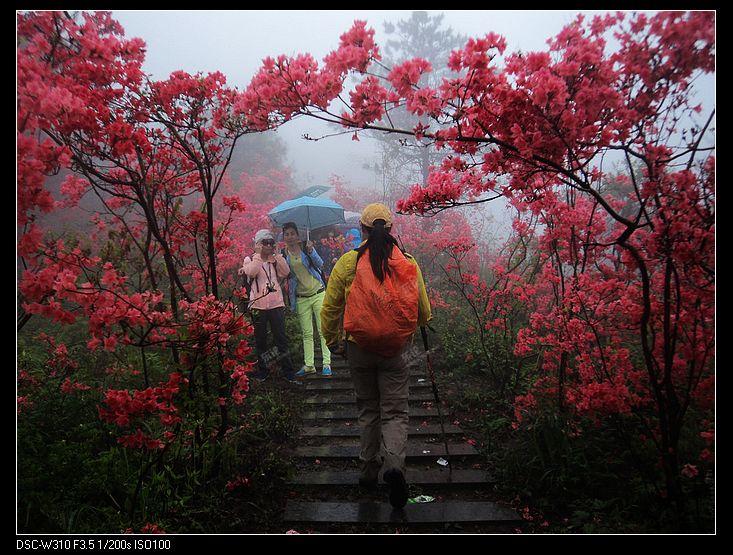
<point>247,289</point>
<point>248,284</point>
<point>285,255</point>
<point>312,265</point>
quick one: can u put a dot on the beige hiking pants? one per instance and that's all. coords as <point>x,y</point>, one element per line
<point>381,386</point>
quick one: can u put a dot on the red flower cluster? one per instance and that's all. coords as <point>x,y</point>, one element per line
<point>238,482</point>
<point>151,529</point>
<point>69,387</point>
<point>122,407</point>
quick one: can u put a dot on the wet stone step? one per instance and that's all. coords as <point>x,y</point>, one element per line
<point>341,368</point>
<point>354,431</point>
<point>343,374</point>
<point>458,477</point>
<point>335,361</point>
<point>350,413</point>
<point>347,385</point>
<point>418,513</point>
<point>414,451</point>
<point>345,399</point>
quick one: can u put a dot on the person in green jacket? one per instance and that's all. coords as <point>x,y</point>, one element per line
<point>380,383</point>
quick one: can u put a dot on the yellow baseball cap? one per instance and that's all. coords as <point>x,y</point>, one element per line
<point>376,211</point>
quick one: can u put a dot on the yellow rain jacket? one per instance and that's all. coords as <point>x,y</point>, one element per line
<point>337,291</point>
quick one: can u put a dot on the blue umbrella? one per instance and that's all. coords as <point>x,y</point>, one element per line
<point>308,213</point>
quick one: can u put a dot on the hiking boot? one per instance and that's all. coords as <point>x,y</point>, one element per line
<point>326,370</point>
<point>305,370</point>
<point>395,479</point>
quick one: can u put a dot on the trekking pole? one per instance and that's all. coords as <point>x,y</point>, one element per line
<point>424,333</point>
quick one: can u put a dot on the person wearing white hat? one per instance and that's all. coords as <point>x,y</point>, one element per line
<point>265,270</point>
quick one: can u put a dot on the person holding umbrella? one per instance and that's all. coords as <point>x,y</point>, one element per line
<point>306,286</point>
<point>264,270</point>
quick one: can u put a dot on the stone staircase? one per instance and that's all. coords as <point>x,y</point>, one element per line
<point>325,493</point>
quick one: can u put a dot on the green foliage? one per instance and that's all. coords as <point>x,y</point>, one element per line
<point>489,354</point>
<point>583,475</point>
<point>456,343</point>
<point>70,474</point>
<point>73,476</point>
<point>255,451</point>
<point>594,477</point>
<point>271,414</point>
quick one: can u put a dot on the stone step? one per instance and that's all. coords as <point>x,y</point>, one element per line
<point>350,413</point>
<point>338,362</point>
<point>347,385</point>
<point>415,451</point>
<point>354,431</point>
<point>321,386</point>
<point>334,366</point>
<point>417,513</point>
<point>345,399</point>
<point>343,374</point>
<point>458,477</point>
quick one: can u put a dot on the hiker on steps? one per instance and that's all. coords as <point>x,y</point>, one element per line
<point>307,288</point>
<point>264,270</point>
<point>380,293</point>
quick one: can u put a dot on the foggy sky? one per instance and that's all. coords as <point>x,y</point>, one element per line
<point>235,42</point>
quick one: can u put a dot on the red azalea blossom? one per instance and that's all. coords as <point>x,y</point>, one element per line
<point>238,482</point>
<point>152,529</point>
<point>689,471</point>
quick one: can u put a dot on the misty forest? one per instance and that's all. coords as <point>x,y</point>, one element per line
<point>557,200</point>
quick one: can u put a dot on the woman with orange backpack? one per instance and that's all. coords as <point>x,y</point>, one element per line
<point>379,292</point>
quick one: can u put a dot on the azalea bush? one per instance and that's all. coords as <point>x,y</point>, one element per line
<point>137,311</point>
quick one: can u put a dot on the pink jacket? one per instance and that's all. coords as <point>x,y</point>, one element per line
<point>274,270</point>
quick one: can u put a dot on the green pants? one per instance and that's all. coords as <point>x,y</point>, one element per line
<point>307,308</point>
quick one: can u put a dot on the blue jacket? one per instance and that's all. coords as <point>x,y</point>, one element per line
<point>293,281</point>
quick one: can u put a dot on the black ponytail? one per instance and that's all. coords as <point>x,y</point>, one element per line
<point>379,244</point>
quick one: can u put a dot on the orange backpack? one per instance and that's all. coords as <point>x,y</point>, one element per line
<point>381,317</point>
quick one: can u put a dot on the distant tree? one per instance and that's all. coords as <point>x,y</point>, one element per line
<point>265,151</point>
<point>405,160</point>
